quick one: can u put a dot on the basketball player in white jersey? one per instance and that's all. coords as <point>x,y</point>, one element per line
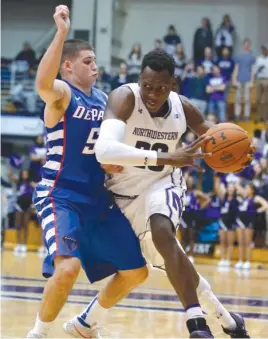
<point>141,132</point>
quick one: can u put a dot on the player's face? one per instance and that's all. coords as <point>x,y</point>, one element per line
<point>84,69</point>
<point>155,88</point>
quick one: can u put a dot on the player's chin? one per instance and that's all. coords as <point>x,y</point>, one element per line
<point>153,108</point>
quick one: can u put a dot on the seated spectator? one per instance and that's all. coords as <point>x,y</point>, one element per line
<point>158,44</point>
<point>122,77</point>
<point>215,89</point>
<point>197,90</point>
<point>225,36</point>
<point>27,54</point>
<point>207,60</point>
<point>203,38</point>
<point>180,60</point>
<point>24,94</point>
<point>134,62</point>
<point>37,158</point>
<point>226,65</point>
<point>104,81</point>
<point>261,73</point>
<point>171,40</point>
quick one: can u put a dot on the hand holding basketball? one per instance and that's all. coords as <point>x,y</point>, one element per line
<point>62,19</point>
<point>186,155</point>
<point>230,147</point>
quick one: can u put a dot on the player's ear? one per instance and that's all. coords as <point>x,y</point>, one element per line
<point>174,84</point>
<point>68,65</point>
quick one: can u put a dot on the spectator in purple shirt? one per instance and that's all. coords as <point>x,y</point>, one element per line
<point>215,89</point>
<point>38,158</point>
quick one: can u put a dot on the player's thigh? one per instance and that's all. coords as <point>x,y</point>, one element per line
<point>60,228</point>
<point>167,201</point>
<point>134,211</point>
<point>115,241</point>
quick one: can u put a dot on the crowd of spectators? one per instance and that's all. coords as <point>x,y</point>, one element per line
<point>205,221</point>
<point>19,175</point>
<point>205,78</point>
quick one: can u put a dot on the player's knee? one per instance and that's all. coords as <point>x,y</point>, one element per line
<point>67,269</point>
<point>135,277</point>
<point>163,232</point>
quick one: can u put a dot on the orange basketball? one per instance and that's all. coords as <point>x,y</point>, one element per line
<point>229,145</point>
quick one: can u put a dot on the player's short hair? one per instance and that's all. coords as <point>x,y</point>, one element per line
<point>158,60</point>
<point>72,47</point>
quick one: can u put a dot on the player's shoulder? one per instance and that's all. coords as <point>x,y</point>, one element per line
<point>99,94</point>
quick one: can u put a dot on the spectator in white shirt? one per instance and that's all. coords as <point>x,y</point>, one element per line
<point>261,72</point>
<point>134,62</point>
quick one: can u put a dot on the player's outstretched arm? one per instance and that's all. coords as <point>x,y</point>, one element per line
<point>110,148</point>
<point>50,89</point>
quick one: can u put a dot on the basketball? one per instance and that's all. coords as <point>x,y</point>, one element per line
<point>229,145</point>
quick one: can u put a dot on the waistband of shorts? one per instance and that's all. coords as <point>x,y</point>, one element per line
<point>120,196</point>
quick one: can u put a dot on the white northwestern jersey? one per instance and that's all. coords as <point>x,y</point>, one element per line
<point>156,134</point>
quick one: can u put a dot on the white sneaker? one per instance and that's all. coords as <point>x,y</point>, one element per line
<point>227,263</point>
<point>239,265</point>
<point>246,265</point>
<point>191,259</point>
<point>35,335</point>
<point>17,249</point>
<point>221,263</point>
<point>23,248</point>
<point>77,330</point>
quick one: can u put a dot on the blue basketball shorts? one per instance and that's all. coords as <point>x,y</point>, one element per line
<point>99,235</point>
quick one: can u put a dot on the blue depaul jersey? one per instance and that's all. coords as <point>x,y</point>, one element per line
<point>71,170</point>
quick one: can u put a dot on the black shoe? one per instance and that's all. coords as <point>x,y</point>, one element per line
<point>240,331</point>
<point>198,328</point>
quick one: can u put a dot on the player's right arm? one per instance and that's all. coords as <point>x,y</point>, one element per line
<point>111,149</point>
<point>55,93</point>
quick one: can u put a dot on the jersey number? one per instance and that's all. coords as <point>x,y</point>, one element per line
<point>158,147</point>
<point>91,140</point>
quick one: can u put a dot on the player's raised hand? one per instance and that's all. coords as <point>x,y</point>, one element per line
<point>61,17</point>
<point>186,155</point>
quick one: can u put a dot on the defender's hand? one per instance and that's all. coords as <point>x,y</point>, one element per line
<point>186,155</point>
<point>112,169</point>
<point>62,19</point>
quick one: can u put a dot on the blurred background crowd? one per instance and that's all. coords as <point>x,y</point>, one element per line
<point>207,76</point>
<point>225,85</point>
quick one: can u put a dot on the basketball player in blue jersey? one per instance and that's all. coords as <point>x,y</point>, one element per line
<point>80,222</point>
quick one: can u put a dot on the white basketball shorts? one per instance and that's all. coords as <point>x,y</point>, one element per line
<point>166,197</point>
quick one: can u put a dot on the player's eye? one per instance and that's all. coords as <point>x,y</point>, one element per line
<point>163,88</point>
<point>147,86</point>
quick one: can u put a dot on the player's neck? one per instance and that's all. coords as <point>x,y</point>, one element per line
<point>162,111</point>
